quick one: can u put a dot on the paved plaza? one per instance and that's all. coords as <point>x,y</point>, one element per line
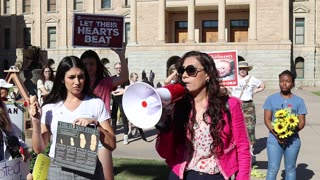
<point>308,165</point>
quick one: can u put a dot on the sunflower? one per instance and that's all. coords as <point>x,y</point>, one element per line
<point>284,134</point>
<point>285,123</point>
<point>290,133</point>
<point>280,127</point>
<point>281,113</point>
<point>276,120</point>
<point>292,121</point>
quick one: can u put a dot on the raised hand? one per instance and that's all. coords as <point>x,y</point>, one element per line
<point>34,108</point>
<point>120,52</point>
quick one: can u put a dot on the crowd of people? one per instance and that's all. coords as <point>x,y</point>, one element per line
<point>209,133</point>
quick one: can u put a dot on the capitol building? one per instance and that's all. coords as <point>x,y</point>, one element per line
<point>271,35</point>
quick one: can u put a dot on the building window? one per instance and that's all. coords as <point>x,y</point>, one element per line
<point>105,4</point>
<point>26,6</point>
<point>127,3</point>
<point>299,64</point>
<point>52,37</point>
<point>7,38</point>
<point>239,30</point>
<point>52,5</point>
<point>78,5</point>
<point>27,37</point>
<point>6,6</point>
<point>239,23</point>
<point>127,32</point>
<point>5,67</point>
<point>209,31</point>
<point>299,30</point>
<point>181,31</point>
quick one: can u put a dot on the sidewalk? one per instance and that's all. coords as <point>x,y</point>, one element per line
<point>308,166</point>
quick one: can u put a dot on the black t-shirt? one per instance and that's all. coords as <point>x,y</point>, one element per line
<point>118,99</point>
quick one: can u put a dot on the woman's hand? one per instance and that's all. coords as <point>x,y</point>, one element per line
<point>165,120</point>
<point>120,52</point>
<point>280,140</point>
<point>24,154</point>
<point>84,122</point>
<point>118,92</point>
<point>34,108</point>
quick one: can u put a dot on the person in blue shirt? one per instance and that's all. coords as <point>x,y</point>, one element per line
<point>288,147</point>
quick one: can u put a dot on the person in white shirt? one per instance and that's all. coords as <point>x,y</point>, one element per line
<point>45,83</point>
<point>248,86</point>
<point>71,100</point>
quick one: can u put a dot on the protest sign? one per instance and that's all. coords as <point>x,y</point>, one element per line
<point>76,148</point>
<point>16,111</point>
<point>14,169</point>
<point>227,66</point>
<point>41,167</point>
<point>98,30</point>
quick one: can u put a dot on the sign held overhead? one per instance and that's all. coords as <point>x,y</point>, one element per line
<point>97,30</point>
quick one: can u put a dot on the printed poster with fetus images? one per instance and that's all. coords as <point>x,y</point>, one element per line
<point>227,66</point>
<point>76,148</point>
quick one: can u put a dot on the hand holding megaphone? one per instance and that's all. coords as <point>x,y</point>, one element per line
<point>143,104</point>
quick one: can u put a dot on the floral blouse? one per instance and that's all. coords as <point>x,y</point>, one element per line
<point>202,159</point>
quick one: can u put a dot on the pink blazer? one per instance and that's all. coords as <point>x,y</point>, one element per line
<point>236,157</point>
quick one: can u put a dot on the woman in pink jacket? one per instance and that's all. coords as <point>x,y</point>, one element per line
<point>206,137</point>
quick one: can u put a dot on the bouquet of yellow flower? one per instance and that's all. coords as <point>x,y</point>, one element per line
<point>285,123</point>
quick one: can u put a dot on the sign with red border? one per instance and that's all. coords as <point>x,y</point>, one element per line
<point>227,66</point>
<point>98,30</point>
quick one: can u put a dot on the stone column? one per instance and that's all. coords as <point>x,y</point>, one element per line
<point>90,6</point>
<point>253,21</point>
<point>37,29</point>
<point>191,16</point>
<point>221,20</point>
<point>133,21</point>
<point>162,18</point>
<point>63,24</point>
<point>285,20</point>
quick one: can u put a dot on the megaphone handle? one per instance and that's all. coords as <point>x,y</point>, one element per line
<point>165,120</point>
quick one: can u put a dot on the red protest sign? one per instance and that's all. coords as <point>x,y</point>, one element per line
<point>227,66</point>
<point>98,30</point>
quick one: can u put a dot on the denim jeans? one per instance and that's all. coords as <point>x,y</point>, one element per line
<point>290,150</point>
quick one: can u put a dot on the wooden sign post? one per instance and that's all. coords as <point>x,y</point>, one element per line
<point>17,109</point>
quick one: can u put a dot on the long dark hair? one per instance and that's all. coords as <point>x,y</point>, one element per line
<point>59,91</point>
<point>102,71</point>
<point>5,122</point>
<point>172,60</point>
<point>51,77</point>
<point>217,104</point>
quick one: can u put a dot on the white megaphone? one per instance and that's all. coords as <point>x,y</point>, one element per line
<point>143,104</point>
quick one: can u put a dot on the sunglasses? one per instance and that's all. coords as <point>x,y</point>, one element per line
<point>243,69</point>
<point>191,70</point>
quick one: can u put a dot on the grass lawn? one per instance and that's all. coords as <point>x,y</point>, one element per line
<point>316,93</point>
<point>136,169</point>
